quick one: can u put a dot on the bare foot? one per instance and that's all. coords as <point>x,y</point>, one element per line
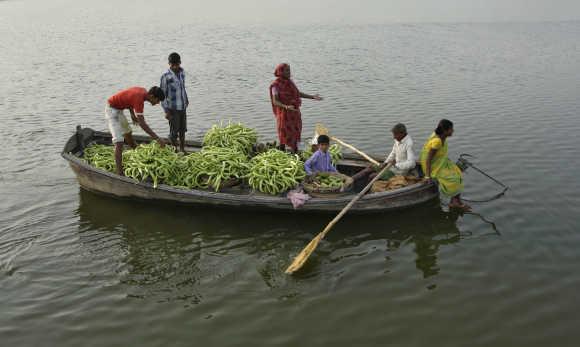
<point>465,207</point>
<point>459,205</point>
<point>454,204</point>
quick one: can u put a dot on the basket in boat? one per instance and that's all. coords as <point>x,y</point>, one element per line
<point>314,188</point>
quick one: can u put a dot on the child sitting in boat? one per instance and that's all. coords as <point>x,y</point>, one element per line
<point>320,161</point>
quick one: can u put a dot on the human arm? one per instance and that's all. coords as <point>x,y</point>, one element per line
<point>308,165</point>
<point>147,129</point>
<point>277,102</point>
<point>308,96</point>
<point>391,157</point>
<point>184,90</point>
<point>433,146</point>
<point>430,157</point>
<point>133,117</point>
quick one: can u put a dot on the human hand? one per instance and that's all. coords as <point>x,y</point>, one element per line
<point>134,119</point>
<point>317,97</point>
<point>167,115</point>
<point>161,142</point>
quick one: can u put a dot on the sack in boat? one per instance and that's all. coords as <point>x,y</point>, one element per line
<point>395,182</point>
<point>315,188</point>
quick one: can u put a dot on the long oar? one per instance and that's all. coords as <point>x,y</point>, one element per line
<point>322,130</point>
<point>301,258</point>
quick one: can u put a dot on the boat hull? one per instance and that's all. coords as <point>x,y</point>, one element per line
<point>103,182</point>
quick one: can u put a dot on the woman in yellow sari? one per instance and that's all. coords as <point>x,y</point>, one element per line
<point>437,166</point>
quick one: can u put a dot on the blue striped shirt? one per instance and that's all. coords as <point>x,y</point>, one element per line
<point>173,85</point>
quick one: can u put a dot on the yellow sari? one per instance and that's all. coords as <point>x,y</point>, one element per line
<point>447,174</point>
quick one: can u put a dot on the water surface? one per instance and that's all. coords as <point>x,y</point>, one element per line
<point>81,269</point>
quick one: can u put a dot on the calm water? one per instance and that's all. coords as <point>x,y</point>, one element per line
<point>79,269</point>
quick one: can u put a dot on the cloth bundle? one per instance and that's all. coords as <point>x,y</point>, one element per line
<point>297,197</point>
<point>395,182</point>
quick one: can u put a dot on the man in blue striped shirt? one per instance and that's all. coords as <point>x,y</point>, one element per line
<point>176,101</point>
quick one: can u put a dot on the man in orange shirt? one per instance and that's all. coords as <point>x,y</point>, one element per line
<point>132,99</point>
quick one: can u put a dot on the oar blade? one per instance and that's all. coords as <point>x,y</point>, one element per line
<point>321,129</point>
<point>301,258</point>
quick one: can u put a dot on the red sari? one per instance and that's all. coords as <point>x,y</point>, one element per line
<point>289,123</point>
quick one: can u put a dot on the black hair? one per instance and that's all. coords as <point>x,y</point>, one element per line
<point>157,92</point>
<point>174,58</point>
<point>399,128</point>
<point>323,139</point>
<point>444,125</point>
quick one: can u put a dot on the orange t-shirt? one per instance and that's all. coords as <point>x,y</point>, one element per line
<point>133,97</point>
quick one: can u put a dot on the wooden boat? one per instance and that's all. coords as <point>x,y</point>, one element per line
<point>104,182</point>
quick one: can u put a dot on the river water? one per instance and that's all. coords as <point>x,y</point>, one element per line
<point>78,269</point>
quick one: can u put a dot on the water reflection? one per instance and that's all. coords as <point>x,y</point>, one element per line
<point>426,228</point>
<point>169,252</point>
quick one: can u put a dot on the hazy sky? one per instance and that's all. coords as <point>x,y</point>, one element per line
<point>365,11</point>
<point>314,11</point>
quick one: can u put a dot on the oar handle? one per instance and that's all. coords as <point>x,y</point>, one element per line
<point>355,199</point>
<point>363,154</point>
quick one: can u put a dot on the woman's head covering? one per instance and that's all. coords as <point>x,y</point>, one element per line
<point>279,71</point>
<point>287,91</point>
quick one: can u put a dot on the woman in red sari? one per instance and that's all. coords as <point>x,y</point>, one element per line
<point>286,101</point>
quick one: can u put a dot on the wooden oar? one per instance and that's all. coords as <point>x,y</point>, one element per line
<point>322,130</point>
<point>301,258</point>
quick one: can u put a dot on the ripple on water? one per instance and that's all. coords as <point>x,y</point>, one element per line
<point>79,269</point>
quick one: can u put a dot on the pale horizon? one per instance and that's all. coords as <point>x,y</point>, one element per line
<point>285,12</point>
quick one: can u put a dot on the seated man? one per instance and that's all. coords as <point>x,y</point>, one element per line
<point>320,161</point>
<point>401,158</point>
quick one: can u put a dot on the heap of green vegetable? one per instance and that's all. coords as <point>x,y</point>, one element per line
<point>223,158</point>
<point>275,171</point>
<point>335,153</point>
<point>235,136</point>
<point>101,157</point>
<point>152,161</point>
<point>211,167</point>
